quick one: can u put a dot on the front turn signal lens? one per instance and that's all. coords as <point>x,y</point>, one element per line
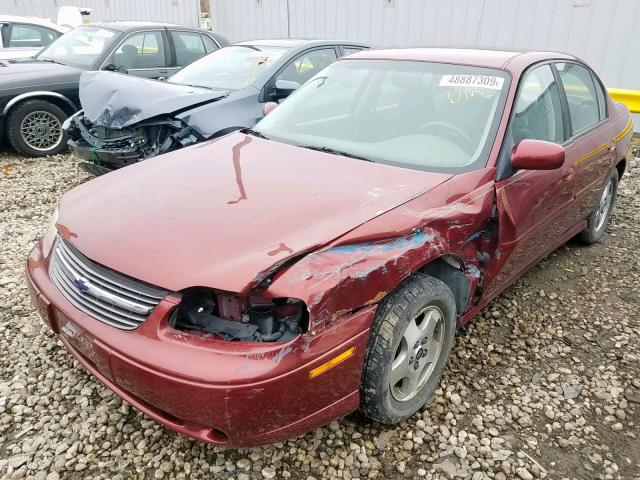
<point>332,363</point>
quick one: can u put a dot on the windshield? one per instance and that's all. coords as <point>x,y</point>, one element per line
<point>230,68</point>
<point>427,116</point>
<point>80,47</point>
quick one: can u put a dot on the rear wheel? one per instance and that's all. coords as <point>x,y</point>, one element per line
<point>34,128</point>
<point>409,344</point>
<point>598,219</point>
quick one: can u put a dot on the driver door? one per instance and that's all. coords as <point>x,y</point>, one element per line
<point>532,204</point>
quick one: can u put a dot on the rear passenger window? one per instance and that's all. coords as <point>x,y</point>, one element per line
<point>189,47</point>
<point>602,102</point>
<point>581,94</point>
<point>538,111</point>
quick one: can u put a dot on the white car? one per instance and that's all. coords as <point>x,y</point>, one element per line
<point>25,36</point>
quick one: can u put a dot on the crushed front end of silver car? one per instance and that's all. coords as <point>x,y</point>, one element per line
<point>125,119</point>
<point>107,149</point>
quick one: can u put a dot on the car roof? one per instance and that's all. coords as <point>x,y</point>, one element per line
<point>43,22</point>
<point>298,42</point>
<point>130,25</point>
<point>501,59</point>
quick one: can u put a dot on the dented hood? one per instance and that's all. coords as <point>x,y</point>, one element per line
<point>116,100</point>
<point>219,213</point>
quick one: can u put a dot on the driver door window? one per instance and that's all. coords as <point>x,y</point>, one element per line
<point>142,51</point>
<point>307,65</point>
<point>538,111</point>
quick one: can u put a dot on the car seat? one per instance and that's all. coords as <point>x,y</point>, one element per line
<point>127,57</point>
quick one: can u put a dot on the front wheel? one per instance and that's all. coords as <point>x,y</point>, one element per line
<point>598,219</point>
<point>409,344</point>
<point>34,128</point>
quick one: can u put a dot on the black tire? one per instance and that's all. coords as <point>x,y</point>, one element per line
<point>596,225</point>
<point>403,305</point>
<point>49,111</point>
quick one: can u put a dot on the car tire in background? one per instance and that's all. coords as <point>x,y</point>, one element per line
<point>409,343</point>
<point>598,219</point>
<point>34,128</point>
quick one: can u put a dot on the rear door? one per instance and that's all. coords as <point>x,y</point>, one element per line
<point>592,143</point>
<point>532,204</point>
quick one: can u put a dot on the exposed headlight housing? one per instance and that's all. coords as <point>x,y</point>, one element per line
<point>235,317</point>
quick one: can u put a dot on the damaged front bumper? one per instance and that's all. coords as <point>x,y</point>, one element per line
<point>107,149</point>
<point>99,160</point>
<point>225,393</point>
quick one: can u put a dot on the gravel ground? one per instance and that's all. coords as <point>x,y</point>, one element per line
<point>545,383</point>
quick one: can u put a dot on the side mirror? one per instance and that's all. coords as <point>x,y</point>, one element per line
<point>112,67</point>
<point>537,155</point>
<point>268,107</point>
<point>284,88</point>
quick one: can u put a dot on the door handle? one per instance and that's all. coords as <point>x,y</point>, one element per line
<point>612,147</point>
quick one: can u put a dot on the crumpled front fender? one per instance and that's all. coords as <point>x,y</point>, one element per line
<point>338,280</point>
<point>366,264</point>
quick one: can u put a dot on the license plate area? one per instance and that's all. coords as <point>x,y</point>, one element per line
<point>77,337</point>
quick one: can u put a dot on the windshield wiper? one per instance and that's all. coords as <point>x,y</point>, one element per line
<point>193,85</point>
<point>48,60</point>
<point>334,151</point>
<point>254,133</point>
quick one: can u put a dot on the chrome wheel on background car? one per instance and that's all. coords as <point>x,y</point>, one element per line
<point>41,130</point>
<point>417,353</point>
<point>34,128</point>
<point>599,217</point>
<point>409,344</point>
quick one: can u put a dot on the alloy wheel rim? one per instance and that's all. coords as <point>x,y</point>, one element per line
<point>41,130</point>
<point>603,205</point>
<point>417,354</point>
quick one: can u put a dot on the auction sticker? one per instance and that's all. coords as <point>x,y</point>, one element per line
<point>475,81</point>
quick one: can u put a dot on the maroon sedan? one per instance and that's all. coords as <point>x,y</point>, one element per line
<point>253,287</point>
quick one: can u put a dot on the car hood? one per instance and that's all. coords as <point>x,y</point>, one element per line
<point>31,72</point>
<point>116,100</point>
<point>11,53</point>
<point>221,213</point>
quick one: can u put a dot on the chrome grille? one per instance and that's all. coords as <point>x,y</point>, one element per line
<point>101,293</point>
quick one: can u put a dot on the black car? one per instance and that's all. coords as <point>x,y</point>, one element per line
<point>37,94</point>
<point>124,120</point>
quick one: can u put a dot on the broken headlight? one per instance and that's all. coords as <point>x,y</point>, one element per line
<point>235,317</point>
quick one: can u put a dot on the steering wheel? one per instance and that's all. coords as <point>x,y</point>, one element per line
<point>454,133</point>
